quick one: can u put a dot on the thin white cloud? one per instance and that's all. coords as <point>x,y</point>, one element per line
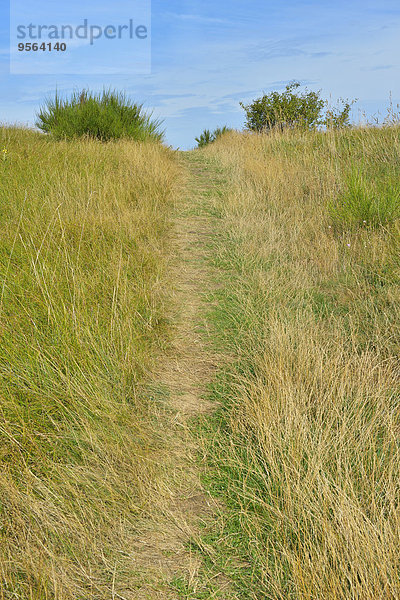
<point>195,18</point>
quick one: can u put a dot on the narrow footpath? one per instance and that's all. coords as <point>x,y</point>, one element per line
<point>182,507</point>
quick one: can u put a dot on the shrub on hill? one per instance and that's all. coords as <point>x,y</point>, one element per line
<point>105,116</point>
<point>291,108</point>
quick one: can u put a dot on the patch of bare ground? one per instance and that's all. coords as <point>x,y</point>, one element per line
<point>180,505</point>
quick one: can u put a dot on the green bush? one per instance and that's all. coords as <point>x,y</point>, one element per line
<point>208,137</point>
<point>291,108</point>
<point>105,116</point>
<point>338,116</point>
<point>364,203</point>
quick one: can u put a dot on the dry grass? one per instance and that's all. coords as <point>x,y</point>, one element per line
<point>309,452</point>
<point>306,450</point>
<point>83,250</point>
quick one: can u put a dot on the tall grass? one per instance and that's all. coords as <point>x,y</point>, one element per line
<point>305,451</point>
<point>365,201</point>
<point>83,230</point>
<point>105,116</point>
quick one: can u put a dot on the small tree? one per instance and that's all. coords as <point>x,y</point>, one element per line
<point>286,109</point>
<point>291,108</point>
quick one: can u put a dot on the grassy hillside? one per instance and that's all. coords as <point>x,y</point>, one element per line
<point>301,233</point>
<point>83,230</point>
<point>305,451</point>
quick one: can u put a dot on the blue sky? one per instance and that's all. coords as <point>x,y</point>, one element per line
<point>207,56</point>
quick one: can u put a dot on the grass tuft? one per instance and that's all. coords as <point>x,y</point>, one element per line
<point>109,115</point>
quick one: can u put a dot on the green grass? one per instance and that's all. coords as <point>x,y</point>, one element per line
<point>208,137</point>
<point>366,202</point>
<point>303,452</point>
<point>83,295</point>
<point>106,116</point>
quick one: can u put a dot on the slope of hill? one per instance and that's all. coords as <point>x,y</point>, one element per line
<point>305,452</point>
<point>83,252</point>
<point>199,372</point>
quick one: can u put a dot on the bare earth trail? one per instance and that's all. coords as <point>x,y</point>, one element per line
<point>181,504</point>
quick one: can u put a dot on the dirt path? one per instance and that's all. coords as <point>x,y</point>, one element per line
<point>162,554</point>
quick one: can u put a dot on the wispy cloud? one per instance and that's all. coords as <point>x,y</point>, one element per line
<point>200,19</point>
<point>378,68</point>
